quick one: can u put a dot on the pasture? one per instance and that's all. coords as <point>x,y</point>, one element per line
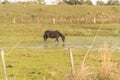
<point>28,59</point>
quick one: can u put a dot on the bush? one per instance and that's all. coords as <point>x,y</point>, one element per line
<point>5,2</point>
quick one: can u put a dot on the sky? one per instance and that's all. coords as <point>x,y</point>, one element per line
<point>49,2</point>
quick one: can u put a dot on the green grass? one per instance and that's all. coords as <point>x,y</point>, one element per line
<point>36,30</point>
<point>50,64</point>
<point>52,11</point>
<point>37,64</point>
<point>28,58</point>
<point>27,12</point>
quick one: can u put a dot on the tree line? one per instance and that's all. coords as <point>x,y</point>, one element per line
<point>72,2</point>
<point>89,2</point>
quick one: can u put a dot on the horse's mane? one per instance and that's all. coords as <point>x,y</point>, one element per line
<point>61,34</point>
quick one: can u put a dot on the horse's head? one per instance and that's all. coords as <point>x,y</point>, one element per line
<point>63,38</point>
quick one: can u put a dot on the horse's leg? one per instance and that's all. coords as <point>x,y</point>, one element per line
<point>45,37</point>
<point>56,40</point>
<point>63,43</point>
<point>63,39</point>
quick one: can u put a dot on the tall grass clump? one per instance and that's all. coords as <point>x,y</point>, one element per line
<point>106,65</point>
<point>109,67</point>
<point>83,73</point>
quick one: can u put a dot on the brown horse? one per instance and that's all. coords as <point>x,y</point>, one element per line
<point>53,34</point>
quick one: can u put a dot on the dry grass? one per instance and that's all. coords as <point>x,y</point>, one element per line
<point>108,69</point>
<point>106,65</point>
<point>35,13</point>
<point>84,73</point>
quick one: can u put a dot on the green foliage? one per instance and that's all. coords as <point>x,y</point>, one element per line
<point>41,1</point>
<point>75,2</point>
<point>113,2</point>
<point>5,2</point>
<point>82,1</point>
<point>100,3</point>
<point>116,2</point>
<point>110,2</point>
<point>71,2</point>
<point>89,2</point>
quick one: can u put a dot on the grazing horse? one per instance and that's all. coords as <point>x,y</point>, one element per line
<point>53,34</point>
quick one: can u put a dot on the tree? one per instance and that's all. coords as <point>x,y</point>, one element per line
<point>100,3</point>
<point>89,2</point>
<point>116,2</point>
<point>71,2</point>
<point>40,1</point>
<point>5,2</point>
<point>82,1</point>
<point>61,2</point>
<point>113,2</point>
<point>110,2</point>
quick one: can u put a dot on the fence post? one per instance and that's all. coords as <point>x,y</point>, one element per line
<point>22,20</point>
<point>54,21</point>
<point>14,21</point>
<point>4,66</point>
<point>71,62</point>
<point>94,20</point>
<point>70,20</point>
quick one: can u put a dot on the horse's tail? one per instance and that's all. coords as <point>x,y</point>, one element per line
<point>45,37</point>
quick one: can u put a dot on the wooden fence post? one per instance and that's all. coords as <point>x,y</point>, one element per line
<point>14,21</point>
<point>71,62</point>
<point>70,20</point>
<point>94,20</point>
<point>22,20</point>
<point>54,21</point>
<point>4,66</point>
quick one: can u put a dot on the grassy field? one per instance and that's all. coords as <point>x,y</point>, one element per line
<point>28,59</point>
<point>54,11</point>
<point>31,13</point>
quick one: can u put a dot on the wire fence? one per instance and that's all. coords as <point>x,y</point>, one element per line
<point>60,20</point>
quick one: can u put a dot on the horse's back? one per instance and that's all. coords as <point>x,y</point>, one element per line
<point>52,34</point>
<point>50,31</point>
<point>47,31</point>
